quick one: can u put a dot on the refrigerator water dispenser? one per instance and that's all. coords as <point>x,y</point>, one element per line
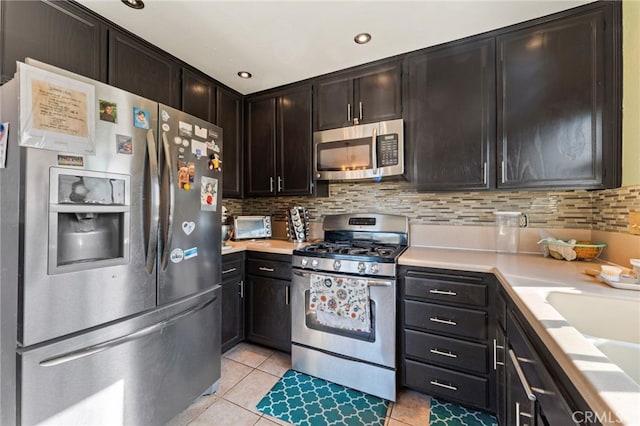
<point>89,215</point>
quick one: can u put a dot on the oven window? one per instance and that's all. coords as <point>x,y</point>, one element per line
<point>312,322</point>
<point>352,154</point>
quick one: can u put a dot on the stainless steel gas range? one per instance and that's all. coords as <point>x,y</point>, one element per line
<point>343,302</point>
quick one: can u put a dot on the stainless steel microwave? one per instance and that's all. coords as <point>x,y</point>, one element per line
<point>249,227</point>
<point>364,151</point>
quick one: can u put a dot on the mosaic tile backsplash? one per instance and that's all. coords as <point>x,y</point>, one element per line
<point>605,210</point>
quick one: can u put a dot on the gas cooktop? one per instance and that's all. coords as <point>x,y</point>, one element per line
<point>361,250</point>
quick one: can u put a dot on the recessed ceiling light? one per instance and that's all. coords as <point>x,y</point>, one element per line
<point>244,74</point>
<point>362,38</point>
<point>135,4</point>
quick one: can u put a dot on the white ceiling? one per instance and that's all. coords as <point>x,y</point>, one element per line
<point>281,42</point>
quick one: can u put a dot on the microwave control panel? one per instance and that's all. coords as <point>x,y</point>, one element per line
<point>388,150</point>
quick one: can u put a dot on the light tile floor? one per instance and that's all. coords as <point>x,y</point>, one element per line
<point>249,372</point>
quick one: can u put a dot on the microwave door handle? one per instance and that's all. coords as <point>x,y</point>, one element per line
<point>374,147</point>
<point>171,205</point>
<point>154,190</point>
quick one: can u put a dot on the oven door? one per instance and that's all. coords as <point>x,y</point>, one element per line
<point>376,346</point>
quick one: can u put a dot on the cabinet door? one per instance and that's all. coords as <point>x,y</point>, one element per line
<point>229,109</point>
<point>451,117</point>
<point>520,410</point>
<point>232,312</point>
<point>232,300</point>
<point>261,145</point>
<point>551,103</point>
<point>198,96</point>
<point>140,69</point>
<point>57,33</point>
<point>268,312</point>
<point>294,142</point>
<point>379,94</point>
<point>334,103</point>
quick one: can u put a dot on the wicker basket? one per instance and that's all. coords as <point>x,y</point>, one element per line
<point>585,250</point>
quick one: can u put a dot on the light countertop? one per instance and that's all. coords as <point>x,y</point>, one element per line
<point>528,279</point>
<point>266,246</point>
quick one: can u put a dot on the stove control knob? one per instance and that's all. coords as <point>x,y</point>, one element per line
<point>374,268</point>
<point>337,265</point>
<point>361,267</point>
<point>314,263</point>
<point>304,261</point>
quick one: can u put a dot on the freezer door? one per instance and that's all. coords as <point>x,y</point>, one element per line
<point>81,290</point>
<point>191,196</point>
<point>142,371</point>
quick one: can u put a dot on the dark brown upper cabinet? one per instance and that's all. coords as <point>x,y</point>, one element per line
<point>198,95</point>
<point>558,122</point>
<point>58,33</point>
<point>229,117</point>
<point>279,143</point>
<point>368,94</point>
<point>138,67</point>
<point>450,119</point>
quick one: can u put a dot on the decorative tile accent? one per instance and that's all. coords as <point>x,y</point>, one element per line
<point>448,414</point>
<point>605,210</point>
<point>304,400</point>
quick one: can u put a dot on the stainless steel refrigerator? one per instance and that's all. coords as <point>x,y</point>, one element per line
<point>109,254</point>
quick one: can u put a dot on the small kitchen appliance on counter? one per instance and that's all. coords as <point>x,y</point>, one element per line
<point>297,224</point>
<point>251,227</point>
<point>343,302</point>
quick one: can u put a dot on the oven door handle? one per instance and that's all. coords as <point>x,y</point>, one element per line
<point>370,282</point>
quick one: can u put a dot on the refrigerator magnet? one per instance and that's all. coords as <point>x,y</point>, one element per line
<point>183,176</point>
<point>177,140</point>
<point>208,194</point>
<point>198,148</point>
<point>124,144</point>
<point>189,253</point>
<point>4,137</point>
<point>188,227</point>
<point>108,111</point>
<point>70,160</point>
<point>165,127</point>
<point>185,129</point>
<point>140,118</point>
<point>165,115</point>
<point>185,142</point>
<point>201,132</point>
<point>215,147</point>
<point>176,255</point>
<point>215,163</point>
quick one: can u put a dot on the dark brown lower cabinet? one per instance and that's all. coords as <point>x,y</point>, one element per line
<point>232,300</point>
<point>446,321</point>
<point>268,313</point>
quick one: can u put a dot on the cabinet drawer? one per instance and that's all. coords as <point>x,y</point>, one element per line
<point>445,319</point>
<point>446,383</point>
<point>269,268</point>
<point>232,267</point>
<point>446,291</point>
<point>444,350</point>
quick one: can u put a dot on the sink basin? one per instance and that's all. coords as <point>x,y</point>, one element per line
<point>611,324</point>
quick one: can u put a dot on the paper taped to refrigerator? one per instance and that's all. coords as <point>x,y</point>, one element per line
<point>56,112</point>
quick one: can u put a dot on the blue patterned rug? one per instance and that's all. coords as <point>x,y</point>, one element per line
<point>308,401</point>
<point>448,414</point>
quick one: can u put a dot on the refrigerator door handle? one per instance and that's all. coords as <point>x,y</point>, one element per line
<point>172,200</point>
<point>152,244</point>
<point>103,346</point>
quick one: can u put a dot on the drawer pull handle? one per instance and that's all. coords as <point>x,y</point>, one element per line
<point>442,321</point>
<point>496,346</point>
<point>226,271</point>
<point>443,385</point>
<point>447,353</point>
<point>264,268</point>
<point>443,292</point>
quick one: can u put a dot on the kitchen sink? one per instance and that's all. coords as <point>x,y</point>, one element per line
<point>611,324</point>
